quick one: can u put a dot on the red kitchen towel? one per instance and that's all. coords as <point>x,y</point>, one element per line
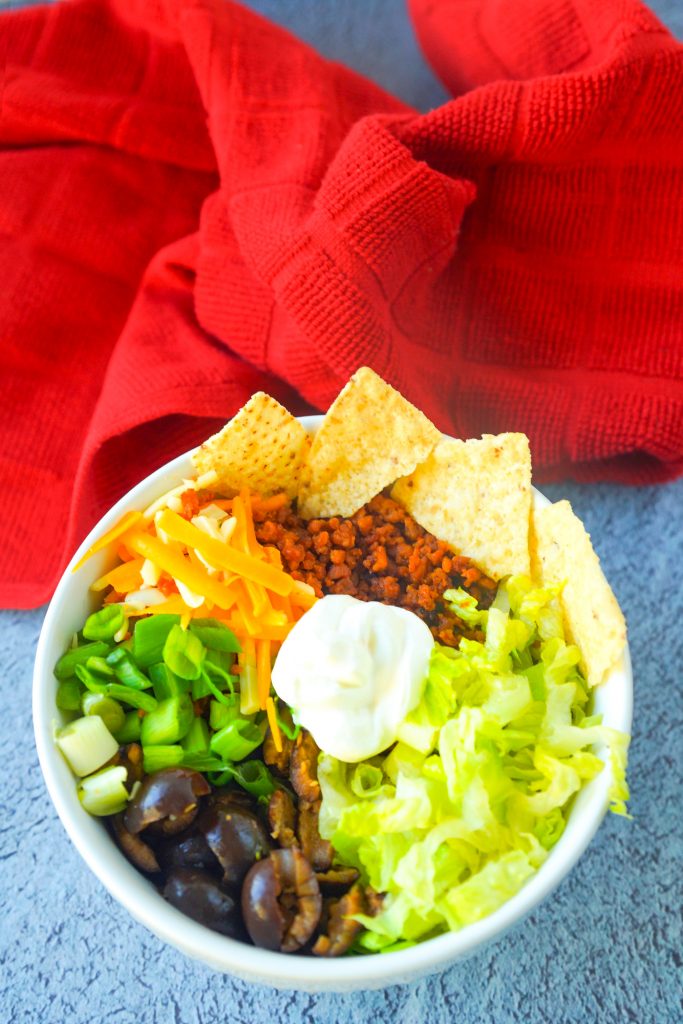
<point>194,205</point>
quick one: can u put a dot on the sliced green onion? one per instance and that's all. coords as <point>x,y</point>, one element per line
<point>104,792</point>
<point>214,635</point>
<point>126,671</point>
<point>254,777</point>
<point>99,667</point>
<point>69,695</point>
<point>166,683</point>
<point>219,778</point>
<point>130,730</point>
<point>149,637</point>
<point>168,723</point>
<point>109,710</point>
<point>86,744</point>
<point>222,712</point>
<point>133,698</point>
<point>92,682</point>
<point>237,739</point>
<point>102,625</point>
<point>184,653</point>
<point>202,762</point>
<point>66,666</point>
<point>216,672</point>
<point>122,631</point>
<point>204,687</point>
<point>196,740</point>
<point>156,758</point>
<point>290,731</point>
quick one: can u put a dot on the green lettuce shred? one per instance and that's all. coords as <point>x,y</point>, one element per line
<point>475,793</point>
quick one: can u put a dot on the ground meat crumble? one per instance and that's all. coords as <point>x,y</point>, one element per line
<point>378,554</point>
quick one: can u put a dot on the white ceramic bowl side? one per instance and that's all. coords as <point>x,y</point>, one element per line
<point>67,611</point>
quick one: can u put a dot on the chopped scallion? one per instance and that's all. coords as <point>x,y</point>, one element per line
<point>254,777</point>
<point>214,635</point>
<point>92,682</point>
<point>166,683</point>
<point>109,710</point>
<point>69,695</point>
<point>204,687</point>
<point>169,722</point>
<point>86,744</point>
<point>222,712</point>
<point>184,653</point>
<point>104,792</point>
<point>202,762</point>
<point>133,698</point>
<point>156,758</point>
<point>100,667</point>
<point>102,625</point>
<point>130,730</point>
<point>218,674</point>
<point>196,740</point>
<point>126,671</point>
<point>66,666</point>
<point>237,739</point>
<point>149,637</point>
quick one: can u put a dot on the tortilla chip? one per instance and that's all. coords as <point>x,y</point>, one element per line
<point>476,496</point>
<point>263,447</point>
<point>370,436</point>
<point>562,550</point>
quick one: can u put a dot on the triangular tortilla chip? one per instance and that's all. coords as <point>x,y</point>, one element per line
<point>263,447</point>
<point>562,550</point>
<point>370,436</point>
<point>476,496</point>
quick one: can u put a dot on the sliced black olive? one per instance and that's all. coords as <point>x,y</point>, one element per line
<point>137,851</point>
<point>336,881</point>
<point>303,767</point>
<point>235,835</point>
<point>205,900</point>
<point>169,797</point>
<point>316,850</point>
<point>282,818</point>
<point>281,901</point>
<point>188,849</point>
<point>340,928</point>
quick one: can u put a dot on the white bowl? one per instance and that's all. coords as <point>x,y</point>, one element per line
<point>69,607</point>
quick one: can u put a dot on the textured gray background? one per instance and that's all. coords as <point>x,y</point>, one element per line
<point>606,947</point>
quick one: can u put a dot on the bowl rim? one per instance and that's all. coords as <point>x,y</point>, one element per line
<point>148,906</point>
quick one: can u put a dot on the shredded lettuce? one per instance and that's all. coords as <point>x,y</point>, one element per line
<point>469,801</point>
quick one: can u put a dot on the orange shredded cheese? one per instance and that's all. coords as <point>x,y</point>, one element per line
<point>123,578</point>
<point>177,565</point>
<point>252,545</point>
<point>271,504</point>
<point>302,595</point>
<point>124,524</point>
<point>223,555</point>
<point>272,722</point>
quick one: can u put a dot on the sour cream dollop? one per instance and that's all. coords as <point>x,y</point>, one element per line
<point>351,671</point>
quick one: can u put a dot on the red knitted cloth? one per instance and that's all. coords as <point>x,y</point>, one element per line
<point>194,205</point>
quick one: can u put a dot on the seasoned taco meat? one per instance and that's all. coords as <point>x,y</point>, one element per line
<point>379,554</point>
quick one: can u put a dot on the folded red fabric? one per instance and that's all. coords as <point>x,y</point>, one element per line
<point>194,205</point>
